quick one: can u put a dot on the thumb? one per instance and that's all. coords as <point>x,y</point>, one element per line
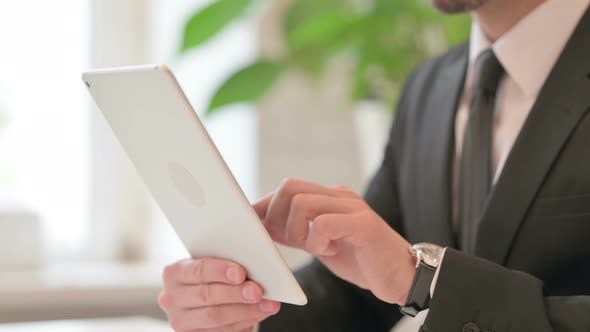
<point>261,206</point>
<point>277,236</point>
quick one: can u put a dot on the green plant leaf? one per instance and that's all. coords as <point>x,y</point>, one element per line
<point>324,29</point>
<point>246,85</point>
<point>301,11</point>
<point>386,39</point>
<point>210,20</point>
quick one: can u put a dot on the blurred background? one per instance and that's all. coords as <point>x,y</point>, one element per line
<point>286,88</point>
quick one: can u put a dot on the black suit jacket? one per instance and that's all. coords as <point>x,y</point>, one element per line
<point>531,267</point>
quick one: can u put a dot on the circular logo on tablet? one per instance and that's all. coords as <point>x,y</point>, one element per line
<point>186,184</point>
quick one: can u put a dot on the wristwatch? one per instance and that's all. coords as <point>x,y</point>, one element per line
<point>428,257</point>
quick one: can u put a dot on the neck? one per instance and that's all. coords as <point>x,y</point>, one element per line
<point>496,17</point>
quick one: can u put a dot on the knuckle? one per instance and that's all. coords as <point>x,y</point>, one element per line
<point>197,269</point>
<point>203,294</point>
<point>169,272</point>
<point>288,185</point>
<point>165,300</point>
<point>298,202</point>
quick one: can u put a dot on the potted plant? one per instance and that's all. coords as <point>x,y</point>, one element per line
<point>382,40</point>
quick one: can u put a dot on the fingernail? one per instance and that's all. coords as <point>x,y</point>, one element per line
<point>250,293</point>
<point>233,274</point>
<point>267,306</point>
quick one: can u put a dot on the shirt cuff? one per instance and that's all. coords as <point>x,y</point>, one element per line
<point>255,328</point>
<point>435,278</point>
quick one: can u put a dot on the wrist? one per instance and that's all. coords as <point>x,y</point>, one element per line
<point>400,268</point>
<point>406,274</point>
<point>427,259</point>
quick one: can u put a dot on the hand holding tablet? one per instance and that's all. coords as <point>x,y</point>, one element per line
<point>210,293</point>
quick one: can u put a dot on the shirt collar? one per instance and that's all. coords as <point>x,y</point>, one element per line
<point>530,49</point>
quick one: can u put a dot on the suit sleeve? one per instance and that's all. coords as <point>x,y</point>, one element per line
<point>473,294</point>
<point>334,304</point>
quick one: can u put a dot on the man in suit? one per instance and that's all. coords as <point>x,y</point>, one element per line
<point>488,162</point>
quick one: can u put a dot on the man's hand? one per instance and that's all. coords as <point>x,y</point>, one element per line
<point>338,227</point>
<point>212,295</point>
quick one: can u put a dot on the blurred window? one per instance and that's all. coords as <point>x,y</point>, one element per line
<point>45,135</point>
<point>43,116</point>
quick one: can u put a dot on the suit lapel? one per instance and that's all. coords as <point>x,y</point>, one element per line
<point>562,102</point>
<point>435,187</point>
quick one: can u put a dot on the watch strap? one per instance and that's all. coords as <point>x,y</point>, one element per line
<point>419,296</point>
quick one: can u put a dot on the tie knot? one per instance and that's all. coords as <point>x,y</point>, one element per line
<point>488,71</point>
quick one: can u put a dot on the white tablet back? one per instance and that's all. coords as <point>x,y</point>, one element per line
<point>180,165</point>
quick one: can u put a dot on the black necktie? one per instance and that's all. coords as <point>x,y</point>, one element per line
<point>475,169</point>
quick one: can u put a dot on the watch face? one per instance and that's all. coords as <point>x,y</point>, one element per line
<point>429,253</point>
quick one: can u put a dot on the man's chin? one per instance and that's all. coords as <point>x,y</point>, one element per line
<point>457,6</point>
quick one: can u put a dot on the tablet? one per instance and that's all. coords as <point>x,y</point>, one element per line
<point>174,155</point>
